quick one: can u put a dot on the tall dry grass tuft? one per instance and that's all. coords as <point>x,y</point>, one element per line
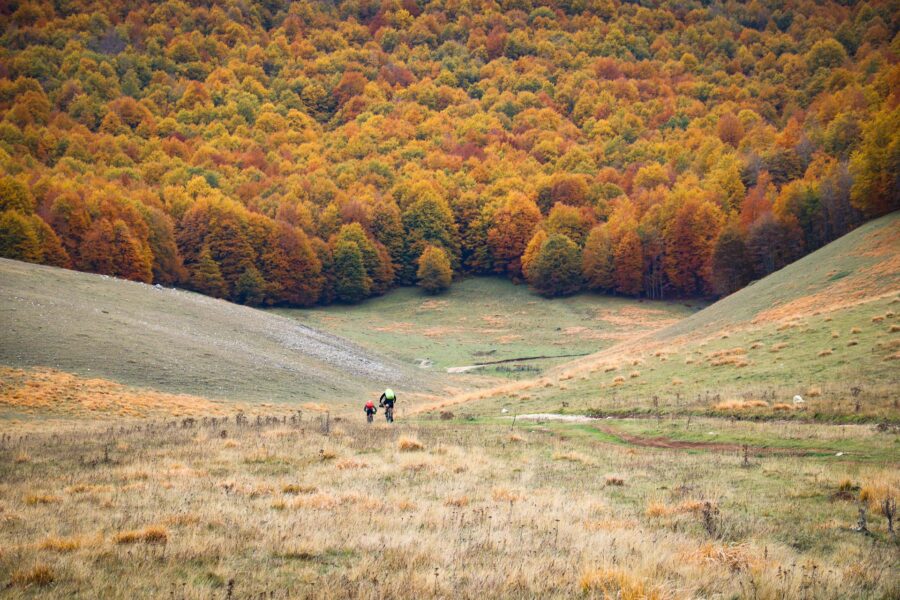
<point>740,405</point>
<point>409,444</point>
<point>38,575</point>
<point>62,544</point>
<point>152,534</point>
<point>616,583</point>
<point>35,499</point>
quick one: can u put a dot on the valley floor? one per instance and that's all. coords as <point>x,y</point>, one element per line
<point>447,507</point>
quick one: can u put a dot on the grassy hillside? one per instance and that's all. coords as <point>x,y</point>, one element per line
<point>825,327</point>
<point>179,342</point>
<point>481,320</point>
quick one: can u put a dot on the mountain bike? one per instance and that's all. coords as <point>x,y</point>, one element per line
<point>389,414</point>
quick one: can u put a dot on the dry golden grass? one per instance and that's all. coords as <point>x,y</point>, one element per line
<point>152,534</point>
<point>63,544</point>
<point>781,406</point>
<point>873,493</point>
<point>814,391</point>
<point>409,444</point>
<point>634,374</point>
<point>496,519</point>
<point>778,347</point>
<point>38,575</point>
<point>56,392</point>
<point>856,330</point>
<point>614,583</point>
<point>826,352</point>
<point>502,494</point>
<point>33,499</point>
<point>663,509</point>
<point>735,558</point>
<point>457,501</point>
<point>740,405</point>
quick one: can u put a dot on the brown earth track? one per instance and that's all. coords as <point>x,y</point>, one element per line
<point>667,443</point>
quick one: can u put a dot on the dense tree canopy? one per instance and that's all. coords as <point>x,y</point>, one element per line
<point>300,152</point>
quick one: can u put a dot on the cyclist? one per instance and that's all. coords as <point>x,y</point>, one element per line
<point>370,410</point>
<point>387,400</point>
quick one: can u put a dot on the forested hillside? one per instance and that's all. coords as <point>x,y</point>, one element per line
<point>295,153</point>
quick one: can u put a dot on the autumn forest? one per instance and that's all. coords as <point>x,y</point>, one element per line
<point>276,153</point>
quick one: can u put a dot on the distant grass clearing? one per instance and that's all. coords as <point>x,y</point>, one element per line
<point>486,320</point>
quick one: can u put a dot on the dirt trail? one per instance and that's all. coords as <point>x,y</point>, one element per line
<point>479,365</point>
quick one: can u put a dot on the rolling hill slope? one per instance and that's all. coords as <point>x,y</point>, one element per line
<point>179,342</point>
<point>825,327</point>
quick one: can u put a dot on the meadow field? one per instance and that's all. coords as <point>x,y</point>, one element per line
<point>487,320</point>
<point>276,506</point>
